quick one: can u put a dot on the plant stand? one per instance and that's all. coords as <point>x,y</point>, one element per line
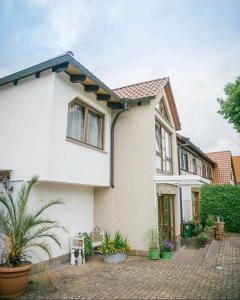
<point>220,234</point>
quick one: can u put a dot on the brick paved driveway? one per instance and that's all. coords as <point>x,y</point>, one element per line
<point>139,278</point>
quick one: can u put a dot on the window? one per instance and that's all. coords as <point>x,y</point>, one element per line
<point>163,149</point>
<point>194,165</point>
<point>162,108</point>
<point>84,124</point>
<point>209,172</point>
<point>184,161</point>
<point>204,170</point>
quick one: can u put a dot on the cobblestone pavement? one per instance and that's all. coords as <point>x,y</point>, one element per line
<point>140,278</point>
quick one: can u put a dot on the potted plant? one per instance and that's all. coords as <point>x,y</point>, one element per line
<point>197,229</point>
<point>114,250</point>
<point>22,230</point>
<point>153,244</point>
<point>166,249</point>
<point>210,228</point>
<point>203,238</point>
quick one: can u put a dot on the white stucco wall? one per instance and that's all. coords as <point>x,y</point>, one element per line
<point>33,124</point>
<point>69,161</point>
<point>187,203</point>
<point>76,214</point>
<point>129,207</point>
<point>25,112</point>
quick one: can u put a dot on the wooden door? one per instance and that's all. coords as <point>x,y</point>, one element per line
<point>166,217</point>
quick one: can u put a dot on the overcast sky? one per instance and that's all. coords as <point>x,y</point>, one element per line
<point>195,43</point>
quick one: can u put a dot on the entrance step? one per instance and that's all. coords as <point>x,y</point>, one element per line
<point>212,253</point>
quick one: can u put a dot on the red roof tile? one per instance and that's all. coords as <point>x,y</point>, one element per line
<point>236,167</point>
<point>151,88</point>
<point>142,89</point>
<point>223,172</point>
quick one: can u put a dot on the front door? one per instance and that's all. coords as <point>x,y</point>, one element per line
<point>166,217</point>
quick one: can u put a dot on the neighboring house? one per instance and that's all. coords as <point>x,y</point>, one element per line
<point>223,172</point>
<point>236,167</point>
<point>192,161</point>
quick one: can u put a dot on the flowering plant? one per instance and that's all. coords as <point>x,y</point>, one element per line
<point>167,246</point>
<point>112,246</point>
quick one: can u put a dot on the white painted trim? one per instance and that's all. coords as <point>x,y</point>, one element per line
<point>181,180</point>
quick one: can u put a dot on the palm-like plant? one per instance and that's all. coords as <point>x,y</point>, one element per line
<point>23,230</point>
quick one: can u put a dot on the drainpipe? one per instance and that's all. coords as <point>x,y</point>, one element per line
<point>180,189</point>
<point>126,108</point>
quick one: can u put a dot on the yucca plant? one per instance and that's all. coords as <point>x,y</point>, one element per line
<point>23,230</point>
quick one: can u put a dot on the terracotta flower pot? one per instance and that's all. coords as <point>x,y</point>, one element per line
<point>13,281</point>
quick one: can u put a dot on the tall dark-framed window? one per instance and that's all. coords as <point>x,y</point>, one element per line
<point>194,162</point>
<point>204,171</point>
<point>85,124</point>
<point>163,149</point>
<point>209,172</point>
<point>184,161</point>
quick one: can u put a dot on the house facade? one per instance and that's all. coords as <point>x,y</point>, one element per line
<point>53,126</point>
<point>113,156</point>
<point>193,162</point>
<point>145,148</point>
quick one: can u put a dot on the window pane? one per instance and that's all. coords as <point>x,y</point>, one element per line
<point>158,162</point>
<point>169,166</point>
<point>167,140</point>
<point>75,123</point>
<point>157,136</point>
<point>94,129</point>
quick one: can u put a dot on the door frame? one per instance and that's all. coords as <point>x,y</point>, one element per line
<point>173,199</point>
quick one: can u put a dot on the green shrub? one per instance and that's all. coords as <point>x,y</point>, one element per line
<point>197,229</point>
<point>88,245</point>
<point>203,237</point>
<point>222,201</point>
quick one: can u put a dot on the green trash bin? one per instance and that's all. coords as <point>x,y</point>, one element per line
<point>188,230</point>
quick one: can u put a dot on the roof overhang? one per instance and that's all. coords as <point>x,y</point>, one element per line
<point>181,180</point>
<point>77,74</point>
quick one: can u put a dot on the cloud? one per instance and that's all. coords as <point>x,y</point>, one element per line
<point>123,42</point>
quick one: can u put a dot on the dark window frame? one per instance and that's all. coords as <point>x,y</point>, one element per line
<point>164,159</point>
<point>88,109</point>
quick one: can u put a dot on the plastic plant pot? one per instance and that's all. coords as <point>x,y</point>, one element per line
<point>166,254</point>
<point>154,254</point>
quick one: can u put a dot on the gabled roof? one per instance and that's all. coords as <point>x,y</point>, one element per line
<point>148,89</point>
<point>222,173</point>
<point>236,167</point>
<point>189,145</point>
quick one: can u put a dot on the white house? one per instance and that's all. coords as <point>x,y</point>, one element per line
<point>111,155</point>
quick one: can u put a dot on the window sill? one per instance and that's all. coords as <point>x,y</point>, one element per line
<point>85,145</point>
<point>159,171</point>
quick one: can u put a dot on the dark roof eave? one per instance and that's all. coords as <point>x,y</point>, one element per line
<point>194,148</point>
<point>66,58</point>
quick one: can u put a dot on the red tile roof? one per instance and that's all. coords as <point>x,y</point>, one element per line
<point>236,167</point>
<point>142,89</point>
<point>151,88</point>
<point>223,172</point>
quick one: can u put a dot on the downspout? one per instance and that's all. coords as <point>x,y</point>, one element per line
<point>126,108</point>
<point>180,189</point>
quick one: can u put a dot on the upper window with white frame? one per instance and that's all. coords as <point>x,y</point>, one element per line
<point>85,124</point>
<point>163,149</point>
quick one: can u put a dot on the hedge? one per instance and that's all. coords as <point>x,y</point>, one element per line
<point>223,201</point>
